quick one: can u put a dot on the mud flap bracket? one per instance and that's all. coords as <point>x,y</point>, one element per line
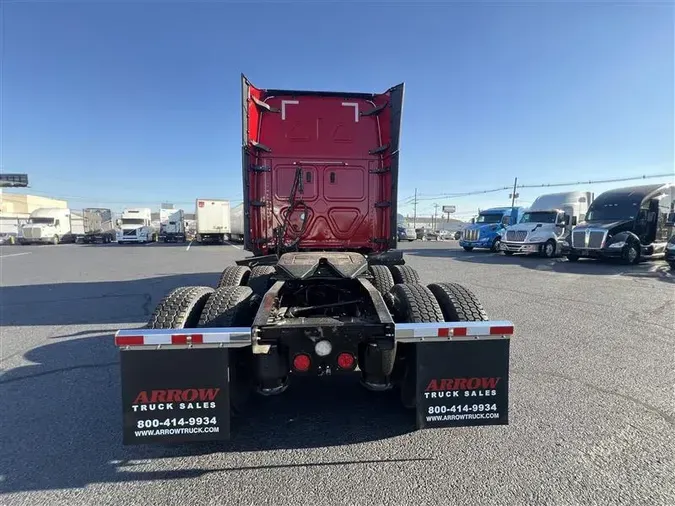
<point>175,396</point>
<point>462,383</point>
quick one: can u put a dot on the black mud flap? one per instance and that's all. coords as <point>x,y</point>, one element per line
<point>462,383</point>
<point>175,396</point>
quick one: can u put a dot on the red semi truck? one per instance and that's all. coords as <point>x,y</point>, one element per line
<point>325,291</point>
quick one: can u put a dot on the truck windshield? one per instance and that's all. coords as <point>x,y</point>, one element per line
<point>132,221</point>
<point>539,217</point>
<point>45,221</point>
<point>489,218</point>
<point>613,211</point>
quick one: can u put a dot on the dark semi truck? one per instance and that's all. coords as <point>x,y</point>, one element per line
<point>324,292</point>
<point>631,224</point>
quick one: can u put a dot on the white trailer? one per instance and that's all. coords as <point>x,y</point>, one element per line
<point>136,226</point>
<point>213,220</point>
<point>172,229</point>
<point>49,225</point>
<point>237,223</point>
<point>547,222</point>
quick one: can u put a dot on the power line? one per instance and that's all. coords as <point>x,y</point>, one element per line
<point>542,185</point>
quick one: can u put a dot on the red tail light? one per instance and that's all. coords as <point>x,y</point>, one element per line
<point>301,362</point>
<point>346,361</point>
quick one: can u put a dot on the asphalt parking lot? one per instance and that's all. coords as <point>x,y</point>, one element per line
<point>592,389</point>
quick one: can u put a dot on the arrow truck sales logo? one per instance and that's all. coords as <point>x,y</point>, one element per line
<point>189,398</point>
<point>451,387</point>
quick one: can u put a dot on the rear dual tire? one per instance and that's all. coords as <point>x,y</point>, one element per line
<point>437,302</point>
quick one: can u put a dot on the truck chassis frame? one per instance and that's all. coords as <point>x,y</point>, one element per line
<point>430,342</point>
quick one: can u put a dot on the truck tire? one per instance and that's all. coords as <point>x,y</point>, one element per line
<point>572,258</point>
<point>383,280</point>
<point>548,249</point>
<point>259,280</point>
<point>508,253</point>
<point>457,303</point>
<point>404,274</point>
<point>55,240</point>
<point>234,306</point>
<point>234,275</point>
<point>468,248</point>
<point>631,254</point>
<point>229,306</point>
<point>412,303</point>
<point>181,308</point>
<point>496,244</point>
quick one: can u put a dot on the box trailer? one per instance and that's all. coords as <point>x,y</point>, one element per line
<point>325,292</point>
<point>213,220</point>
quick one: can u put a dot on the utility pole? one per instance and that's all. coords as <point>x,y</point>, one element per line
<point>433,225</point>
<point>415,210</point>
<point>514,195</point>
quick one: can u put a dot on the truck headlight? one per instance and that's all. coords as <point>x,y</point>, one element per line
<point>535,239</point>
<point>618,244</point>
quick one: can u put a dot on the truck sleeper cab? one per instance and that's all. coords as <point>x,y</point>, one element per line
<point>627,223</point>
<point>546,223</point>
<point>325,292</point>
<point>136,226</point>
<point>487,230</point>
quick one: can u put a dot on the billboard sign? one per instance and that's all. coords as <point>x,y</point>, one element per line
<point>449,209</point>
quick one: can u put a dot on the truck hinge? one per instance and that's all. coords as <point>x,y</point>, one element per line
<point>259,168</point>
<point>260,147</point>
<point>383,204</point>
<point>257,203</point>
<point>383,170</point>
<point>379,240</point>
<point>263,105</point>
<point>379,150</point>
<point>376,110</point>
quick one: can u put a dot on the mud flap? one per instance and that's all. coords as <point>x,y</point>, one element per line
<point>175,396</point>
<point>462,383</point>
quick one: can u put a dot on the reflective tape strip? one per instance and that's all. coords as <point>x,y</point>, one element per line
<point>227,337</point>
<point>453,330</point>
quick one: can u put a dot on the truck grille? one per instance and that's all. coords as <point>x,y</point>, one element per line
<point>129,232</point>
<point>32,233</point>
<point>595,239</point>
<point>471,235</point>
<point>516,235</point>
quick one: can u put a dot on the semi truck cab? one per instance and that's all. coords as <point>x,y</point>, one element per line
<point>136,226</point>
<point>546,223</point>
<point>627,223</point>
<point>49,225</point>
<point>488,228</point>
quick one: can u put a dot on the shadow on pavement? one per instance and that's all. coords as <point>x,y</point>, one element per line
<point>656,269</point>
<point>91,303</point>
<point>61,421</point>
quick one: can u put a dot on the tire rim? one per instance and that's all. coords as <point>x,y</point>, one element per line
<point>549,250</point>
<point>632,254</point>
<point>497,245</point>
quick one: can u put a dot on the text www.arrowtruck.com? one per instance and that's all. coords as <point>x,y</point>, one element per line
<point>176,431</point>
<point>467,416</point>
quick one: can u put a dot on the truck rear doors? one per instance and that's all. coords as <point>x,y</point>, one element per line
<point>320,169</point>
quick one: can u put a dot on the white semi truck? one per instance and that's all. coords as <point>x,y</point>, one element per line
<point>136,226</point>
<point>50,225</point>
<point>546,223</point>
<point>172,225</point>
<point>213,220</point>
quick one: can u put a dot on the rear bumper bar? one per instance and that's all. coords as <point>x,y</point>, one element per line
<point>241,337</point>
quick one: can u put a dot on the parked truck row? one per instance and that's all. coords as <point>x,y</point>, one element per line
<point>631,224</point>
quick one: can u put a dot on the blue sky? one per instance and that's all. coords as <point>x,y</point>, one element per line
<point>132,103</point>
